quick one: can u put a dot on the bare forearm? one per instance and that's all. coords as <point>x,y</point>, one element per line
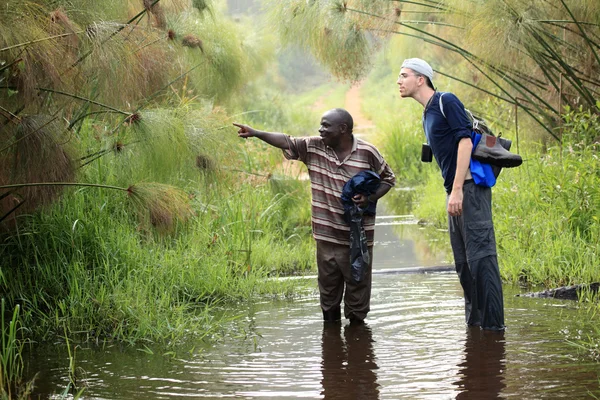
<point>380,192</point>
<point>462,163</point>
<point>278,140</point>
<point>275,139</point>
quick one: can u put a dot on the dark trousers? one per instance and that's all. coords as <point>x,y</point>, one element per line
<point>474,247</point>
<point>333,263</point>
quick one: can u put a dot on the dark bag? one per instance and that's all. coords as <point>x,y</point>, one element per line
<point>488,148</point>
<point>365,182</point>
<point>359,251</point>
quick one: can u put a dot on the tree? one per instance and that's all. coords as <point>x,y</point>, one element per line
<point>76,87</point>
<point>539,56</point>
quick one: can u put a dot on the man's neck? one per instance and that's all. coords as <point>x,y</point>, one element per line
<point>424,95</point>
<point>345,146</point>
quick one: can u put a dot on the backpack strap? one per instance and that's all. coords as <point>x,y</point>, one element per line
<point>424,131</point>
<point>441,109</point>
<point>474,121</point>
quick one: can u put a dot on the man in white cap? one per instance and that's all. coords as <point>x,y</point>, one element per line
<point>448,131</point>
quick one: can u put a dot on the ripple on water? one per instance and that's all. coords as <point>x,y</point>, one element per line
<point>414,346</point>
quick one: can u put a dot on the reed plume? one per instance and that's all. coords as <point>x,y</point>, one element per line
<point>159,205</point>
<point>36,151</point>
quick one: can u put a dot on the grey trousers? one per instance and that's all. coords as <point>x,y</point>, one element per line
<point>333,264</point>
<point>474,247</point>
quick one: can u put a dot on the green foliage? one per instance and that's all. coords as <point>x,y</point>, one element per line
<point>11,361</point>
<point>218,55</point>
<point>88,265</point>
<point>580,126</point>
<point>336,37</point>
<point>196,221</point>
<point>536,55</point>
<point>60,64</point>
<point>202,5</point>
<point>550,235</point>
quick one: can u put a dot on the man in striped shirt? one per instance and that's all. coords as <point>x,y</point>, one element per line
<point>332,159</point>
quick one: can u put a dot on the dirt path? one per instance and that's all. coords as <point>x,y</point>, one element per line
<point>319,105</point>
<point>362,125</point>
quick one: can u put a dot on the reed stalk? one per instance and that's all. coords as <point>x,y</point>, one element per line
<point>25,44</point>
<point>11,361</point>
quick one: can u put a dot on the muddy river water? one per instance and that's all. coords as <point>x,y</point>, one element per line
<point>414,346</point>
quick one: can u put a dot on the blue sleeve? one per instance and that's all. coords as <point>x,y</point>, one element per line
<point>459,122</point>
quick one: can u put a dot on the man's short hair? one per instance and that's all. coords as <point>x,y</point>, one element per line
<point>427,81</point>
<point>345,118</point>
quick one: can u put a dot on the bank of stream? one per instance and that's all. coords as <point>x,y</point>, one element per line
<point>414,346</point>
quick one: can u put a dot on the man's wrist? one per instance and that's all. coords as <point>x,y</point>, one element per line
<point>458,184</point>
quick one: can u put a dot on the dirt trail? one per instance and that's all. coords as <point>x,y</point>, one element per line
<point>362,125</point>
<point>319,105</point>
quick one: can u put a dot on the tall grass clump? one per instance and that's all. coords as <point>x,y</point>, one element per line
<point>550,236</point>
<point>337,37</point>
<point>11,360</point>
<point>128,206</point>
<point>150,261</point>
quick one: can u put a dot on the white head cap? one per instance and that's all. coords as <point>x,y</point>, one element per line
<point>419,66</point>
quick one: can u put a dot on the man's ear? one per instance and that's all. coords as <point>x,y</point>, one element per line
<point>343,127</point>
<point>420,80</point>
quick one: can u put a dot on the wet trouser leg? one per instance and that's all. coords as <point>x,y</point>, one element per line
<point>474,247</point>
<point>488,287</point>
<point>333,263</point>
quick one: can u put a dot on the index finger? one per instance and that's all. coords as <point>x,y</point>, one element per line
<point>238,125</point>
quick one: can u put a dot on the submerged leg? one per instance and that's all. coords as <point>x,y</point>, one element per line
<point>488,289</point>
<point>331,281</point>
<point>469,285</point>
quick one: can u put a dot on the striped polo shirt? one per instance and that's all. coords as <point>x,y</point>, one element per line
<point>327,178</point>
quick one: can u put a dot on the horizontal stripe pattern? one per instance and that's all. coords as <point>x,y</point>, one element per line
<point>328,175</point>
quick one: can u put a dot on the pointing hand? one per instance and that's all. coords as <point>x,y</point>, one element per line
<point>245,131</point>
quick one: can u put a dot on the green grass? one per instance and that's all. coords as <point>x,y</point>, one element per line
<point>86,263</point>
<point>550,236</point>
<point>11,361</point>
<point>107,269</point>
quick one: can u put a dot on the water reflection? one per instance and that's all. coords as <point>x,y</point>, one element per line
<point>419,349</point>
<point>481,374</point>
<point>348,365</point>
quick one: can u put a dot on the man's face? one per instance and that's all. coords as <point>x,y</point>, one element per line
<point>409,82</point>
<point>331,129</point>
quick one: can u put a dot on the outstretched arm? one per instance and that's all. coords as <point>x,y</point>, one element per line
<point>278,140</point>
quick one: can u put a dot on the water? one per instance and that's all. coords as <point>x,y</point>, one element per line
<point>414,346</point>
